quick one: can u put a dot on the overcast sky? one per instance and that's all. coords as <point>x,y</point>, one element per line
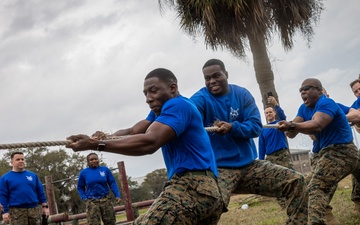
<point>77,66</point>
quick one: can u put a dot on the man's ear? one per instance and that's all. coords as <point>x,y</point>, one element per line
<point>173,88</point>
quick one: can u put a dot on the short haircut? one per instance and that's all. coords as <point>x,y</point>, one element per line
<point>212,62</point>
<point>163,74</point>
<point>15,153</point>
<point>269,106</point>
<point>90,154</point>
<point>354,82</point>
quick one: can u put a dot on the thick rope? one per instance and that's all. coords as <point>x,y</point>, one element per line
<point>33,144</point>
<point>65,142</point>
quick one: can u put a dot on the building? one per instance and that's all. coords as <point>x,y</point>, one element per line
<point>301,160</point>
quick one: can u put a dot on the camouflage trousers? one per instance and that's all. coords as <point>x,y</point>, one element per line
<point>185,200</point>
<point>335,162</point>
<point>355,194</point>
<point>100,209</point>
<point>282,158</point>
<point>313,162</point>
<point>25,216</point>
<point>264,178</point>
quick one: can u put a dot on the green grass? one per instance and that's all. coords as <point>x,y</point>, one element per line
<point>266,211</point>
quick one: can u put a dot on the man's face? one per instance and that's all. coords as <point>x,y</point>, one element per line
<point>310,93</point>
<point>18,162</point>
<point>356,89</point>
<point>216,80</point>
<point>270,114</point>
<point>157,93</point>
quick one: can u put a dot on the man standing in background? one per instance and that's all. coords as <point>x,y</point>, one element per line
<point>20,194</point>
<point>272,142</point>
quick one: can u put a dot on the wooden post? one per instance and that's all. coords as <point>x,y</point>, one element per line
<point>50,196</point>
<point>125,193</point>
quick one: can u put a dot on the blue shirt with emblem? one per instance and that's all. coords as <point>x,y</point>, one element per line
<point>21,190</point>
<point>236,148</point>
<point>95,183</point>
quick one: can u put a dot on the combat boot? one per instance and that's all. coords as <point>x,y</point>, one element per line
<point>356,209</point>
<point>330,219</point>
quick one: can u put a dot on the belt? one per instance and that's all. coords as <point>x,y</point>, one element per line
<point>200,173</point>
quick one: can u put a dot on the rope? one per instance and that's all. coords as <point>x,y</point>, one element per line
<point>33,144</point>
<point>65,142</point>
<point>271,125</point>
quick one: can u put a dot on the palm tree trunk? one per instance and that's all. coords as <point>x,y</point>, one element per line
<point>262,66</point>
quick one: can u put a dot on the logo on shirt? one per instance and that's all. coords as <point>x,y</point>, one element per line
<point>29,178</point>
<point>102,173</point>
<point>234,113</point>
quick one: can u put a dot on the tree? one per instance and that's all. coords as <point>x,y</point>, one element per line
<point>151,187</point>
<point>154,182</point>
<point>138,192</point>
<point>230,24</point>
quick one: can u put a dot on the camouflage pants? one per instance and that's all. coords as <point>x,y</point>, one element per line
<point>355,195</point>
<point>313,162</point>
<point>186,200</point>
<point>334,164</point>
<point>264,178</point>
<point>25,216</point>
<point>100,209</point>
<point>282,158</point>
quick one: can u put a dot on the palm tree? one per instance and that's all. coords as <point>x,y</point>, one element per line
<point>235,24</point>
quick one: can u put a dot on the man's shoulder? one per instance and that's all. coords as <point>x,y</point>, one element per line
<point>328,103</point>
<point>236,89</point>
<point>203,91</point>
<point>5,175</point>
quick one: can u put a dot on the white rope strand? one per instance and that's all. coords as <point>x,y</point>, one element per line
<point>271,125</point>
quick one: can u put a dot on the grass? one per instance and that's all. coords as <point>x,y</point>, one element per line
<point>266,211</point>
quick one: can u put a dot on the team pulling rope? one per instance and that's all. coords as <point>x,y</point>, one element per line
<point>65,142</point>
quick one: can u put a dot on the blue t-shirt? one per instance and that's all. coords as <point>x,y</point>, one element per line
<point>94,183</point>
<point>344,108</point>
<point>356,104</point>
<point>316,145</point>
<point>236,148</point>
<point>337,132</point>
<point>21,190</point>
<point>272,140</point>
<point>191,149</point>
